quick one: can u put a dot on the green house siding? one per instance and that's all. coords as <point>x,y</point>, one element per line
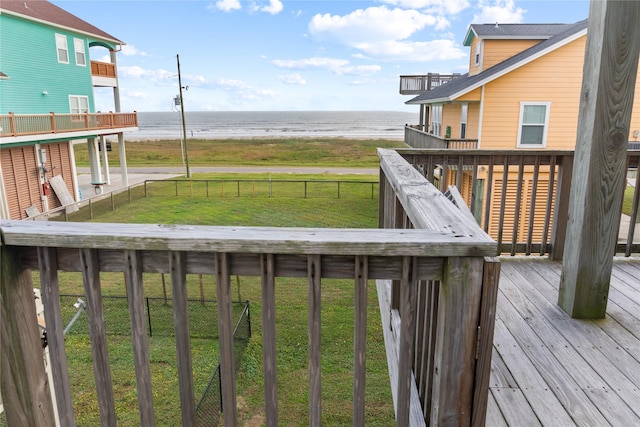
<point>29,58</point>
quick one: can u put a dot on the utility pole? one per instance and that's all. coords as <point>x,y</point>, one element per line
<point>185,146</point>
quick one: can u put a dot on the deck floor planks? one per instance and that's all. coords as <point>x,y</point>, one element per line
<point>593,352</point>
<point>561,367</point>
<point>494,414</point>
<point>594,332</point>
<point>613,363</point>
<point>588,374</point>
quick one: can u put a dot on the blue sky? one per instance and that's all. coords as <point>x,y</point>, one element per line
<point>240,55</point>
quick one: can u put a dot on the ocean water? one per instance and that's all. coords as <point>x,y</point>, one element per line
<point>276,124</point>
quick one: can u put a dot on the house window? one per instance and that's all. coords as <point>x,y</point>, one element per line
<point>436,119</point>
<point>81,58</point>
<point>477,57</point>
<point>534,120</point>
<point>463,120</point>
<point>62,48</point>
<point>78,105</point>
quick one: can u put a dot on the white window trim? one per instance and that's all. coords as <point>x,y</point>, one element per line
<point>61,44</point>
<point>478,52</point>
<point>78,97</point>
<point>436,120</point>
<point>79,43</point>
<point>523,104</point>
<point>464,115</point>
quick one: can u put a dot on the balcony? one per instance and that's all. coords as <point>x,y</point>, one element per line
<point>443,255</point>
<point>415,85</point>
<point>437,290</point>
<point>22,127</point>
<point>103,74</point>
<point>416,138</point>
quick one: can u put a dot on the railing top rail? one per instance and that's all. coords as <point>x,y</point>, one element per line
<point>283,240</point>
<point>425,205</point>
<point>481,152</point>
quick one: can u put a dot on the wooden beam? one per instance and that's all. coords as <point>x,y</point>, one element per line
<point>23,381</point>
<point>606,101</point>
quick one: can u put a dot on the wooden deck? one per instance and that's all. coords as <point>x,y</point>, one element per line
<point>549,369</point>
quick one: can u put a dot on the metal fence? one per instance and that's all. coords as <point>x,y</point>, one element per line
<point>203,321</point>
<point>203,316</point>
<point>209,407</point>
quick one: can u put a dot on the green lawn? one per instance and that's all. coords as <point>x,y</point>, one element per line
<point>358,210</point>
<point>257,151</point>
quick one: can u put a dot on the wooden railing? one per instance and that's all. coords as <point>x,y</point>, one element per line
<point>417,138</point>
<point>450,367</point>
<point>447,253</point>
<point>519,197</point>
<point>52,123</point>
<point>414,85</point>
<point>103,69</point>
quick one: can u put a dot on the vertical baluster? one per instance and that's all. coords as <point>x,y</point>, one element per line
<point>177,265</point>
<point>547,215</point>
<point>360,339</point>
<point>532,204</point>
<point>503,199</point>
<point>314,277</point>
<point>48,263</point>
<point>634,212</point>
<point>267,267</point>
<point>487,200</point>
<point>407,333</point>
<point>431,326</point>
<point>225,327</point>
<point>516,213</point>
<point>139,338</point>
<point>474,189</point>
<point>97,334</point>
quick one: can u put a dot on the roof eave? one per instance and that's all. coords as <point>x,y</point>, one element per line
<point>494,76</point>
<point>112,40</point>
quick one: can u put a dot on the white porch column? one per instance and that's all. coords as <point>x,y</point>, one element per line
<point>105,161</point>
<point>123,160</point>
<point>94,160</point>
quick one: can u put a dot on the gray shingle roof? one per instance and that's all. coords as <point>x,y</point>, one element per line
<point>468,83</point>
<point>48,12</point>
<point>516,31</point>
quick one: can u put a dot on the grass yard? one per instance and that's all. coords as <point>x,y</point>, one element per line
<point>257,151</point>
<point>358,210</point>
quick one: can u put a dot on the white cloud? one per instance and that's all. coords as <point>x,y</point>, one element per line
<point>503,11</point>
<point>383,33</point>
<point>414,51</point>
<point>160,77</point>
<point>292,79</point>
<point>374,24</point>
<point>274,7</point>
<point>130,50</point>
<point>333,65</point>
<point>244,90</point>
<point>226,5</point>
<point>444,7</point>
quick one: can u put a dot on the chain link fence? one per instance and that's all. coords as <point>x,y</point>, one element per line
<point>203,316</point>
<point>209,407</point>
<point>203,321</point>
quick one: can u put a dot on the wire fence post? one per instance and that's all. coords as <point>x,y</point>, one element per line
<point>149,317</point>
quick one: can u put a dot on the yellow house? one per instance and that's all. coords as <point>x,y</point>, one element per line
<point>522,92</point>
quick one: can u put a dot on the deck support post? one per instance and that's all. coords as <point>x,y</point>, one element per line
<point>23,381</point>
<point>606,101</point>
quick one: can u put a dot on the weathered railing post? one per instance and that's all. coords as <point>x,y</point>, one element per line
<point>24,383</point>
<point>561,210</point>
